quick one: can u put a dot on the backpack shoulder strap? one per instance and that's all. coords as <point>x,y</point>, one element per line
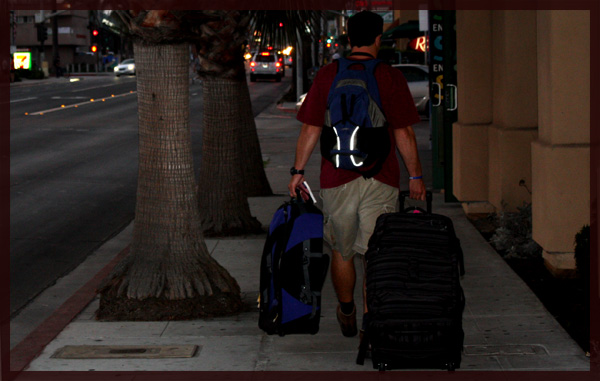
<point>343,64</point>
<point>370,67</point>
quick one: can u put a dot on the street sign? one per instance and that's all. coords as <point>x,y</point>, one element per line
<point>22,60</point>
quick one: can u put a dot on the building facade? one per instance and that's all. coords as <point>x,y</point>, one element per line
<point>73,36</point>
<point>523,129</point>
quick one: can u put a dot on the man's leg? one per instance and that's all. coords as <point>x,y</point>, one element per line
<point>343,276</point>
<point>340,227</point>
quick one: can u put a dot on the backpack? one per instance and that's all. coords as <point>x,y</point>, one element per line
<point>292,271</point>
<point>355,136</point>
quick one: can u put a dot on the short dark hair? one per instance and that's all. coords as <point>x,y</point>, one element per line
<point>364,27</point>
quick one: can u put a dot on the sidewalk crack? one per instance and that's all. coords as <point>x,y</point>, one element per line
<point>262,359</point>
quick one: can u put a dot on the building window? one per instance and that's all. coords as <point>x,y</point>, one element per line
<point>25,19</point>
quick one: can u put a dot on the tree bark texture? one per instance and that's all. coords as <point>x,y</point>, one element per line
<point>169,273</point>
<point>254,176</point>
<point>222,199</point>
<point>221,56</point>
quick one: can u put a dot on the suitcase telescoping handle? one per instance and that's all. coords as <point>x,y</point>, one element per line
<point>405,194</point>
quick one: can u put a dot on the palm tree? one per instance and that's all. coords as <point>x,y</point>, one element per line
<point>230,148</point>
<point>169,273</point>
<point>232,167</point>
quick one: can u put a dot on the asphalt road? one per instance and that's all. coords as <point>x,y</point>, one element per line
<point>73,170</point>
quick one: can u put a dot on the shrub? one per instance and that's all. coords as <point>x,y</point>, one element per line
<point>513,238</point>
<point>582,253</point>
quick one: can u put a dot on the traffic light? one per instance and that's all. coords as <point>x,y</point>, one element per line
<point>94,40</point>
<point>42,32</point>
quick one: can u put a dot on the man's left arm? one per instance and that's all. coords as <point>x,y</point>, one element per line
<point>406,143</point>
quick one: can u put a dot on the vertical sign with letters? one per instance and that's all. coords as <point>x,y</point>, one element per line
<point>442,75</point>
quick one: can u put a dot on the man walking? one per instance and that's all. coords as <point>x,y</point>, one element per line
<point>352,202</point>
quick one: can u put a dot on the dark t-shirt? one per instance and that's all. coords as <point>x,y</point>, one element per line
<point>397,106</point>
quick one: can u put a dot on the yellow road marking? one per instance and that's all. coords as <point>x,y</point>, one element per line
<point>63,107</point>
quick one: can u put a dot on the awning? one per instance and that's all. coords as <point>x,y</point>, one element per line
<point>407,30</point>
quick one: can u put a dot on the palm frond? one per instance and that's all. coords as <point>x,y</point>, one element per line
<point>282,27</point>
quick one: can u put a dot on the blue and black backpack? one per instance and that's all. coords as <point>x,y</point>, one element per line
<point>355,136</point>
<point>293,269</point>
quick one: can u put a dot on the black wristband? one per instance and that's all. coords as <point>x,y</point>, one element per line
<point>294,171</point>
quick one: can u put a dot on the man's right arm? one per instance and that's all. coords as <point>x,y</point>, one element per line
<point>309,136</point>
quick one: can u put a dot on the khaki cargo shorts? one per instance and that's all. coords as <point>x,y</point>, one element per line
<point>350,212</point>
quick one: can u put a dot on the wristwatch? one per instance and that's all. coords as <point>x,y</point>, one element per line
<point>294,171</point>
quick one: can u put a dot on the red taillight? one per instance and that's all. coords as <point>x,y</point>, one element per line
<point>265,54</point>
<point>277,64</point>
<point>252,63</point>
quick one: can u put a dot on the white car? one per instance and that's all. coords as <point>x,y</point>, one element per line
<point>266,65</point>
<point>125,67</point>
<point>417,77</point>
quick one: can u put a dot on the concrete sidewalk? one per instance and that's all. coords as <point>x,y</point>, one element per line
<point>506,326</point>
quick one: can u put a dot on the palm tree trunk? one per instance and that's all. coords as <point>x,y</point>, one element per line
<point>232,167</point>
<point>222,196</point>
<point>254,177</point>
<point>169,273</point>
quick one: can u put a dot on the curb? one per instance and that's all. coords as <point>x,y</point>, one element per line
<point>287,107</point>
<point>30,347</point>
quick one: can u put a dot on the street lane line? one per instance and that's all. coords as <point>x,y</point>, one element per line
<point>24,99</point>
<point>80,104</point>
<point>92,88</point>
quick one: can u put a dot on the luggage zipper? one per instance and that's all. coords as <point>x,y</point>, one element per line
<point>411,240</point>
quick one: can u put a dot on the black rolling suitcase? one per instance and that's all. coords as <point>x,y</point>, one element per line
<point>414,297</point>
<point>292,271</point>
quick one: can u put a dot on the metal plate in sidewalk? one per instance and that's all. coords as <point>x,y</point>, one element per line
<point>505,350</point>
<point>125,351</point>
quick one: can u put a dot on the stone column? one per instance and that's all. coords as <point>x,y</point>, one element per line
<point>514,108</point>
<point>470,132</point>
<point>561,154</point>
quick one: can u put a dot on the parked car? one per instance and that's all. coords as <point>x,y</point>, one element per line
<point>266,65</point>
<point>125,67</point>
<point>417,77</point>
<point>281,59</point>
